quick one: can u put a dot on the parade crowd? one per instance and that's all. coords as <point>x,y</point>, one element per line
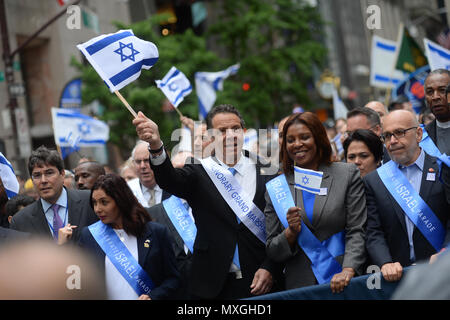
<point>221,225</point>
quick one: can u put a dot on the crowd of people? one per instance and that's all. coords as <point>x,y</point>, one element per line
<point>219,226</point>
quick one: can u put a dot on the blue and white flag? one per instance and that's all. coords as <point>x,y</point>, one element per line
<point>308,180</point>
<point>438,57</point>
<point>206,85</point>
<point>8,177</point>
<point>175,86</point>
<point>382,61</point>
<point>119,57</point>
<point>75,130</point>
<point>339,108</point>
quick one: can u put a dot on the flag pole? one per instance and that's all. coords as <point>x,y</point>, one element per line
<point>125,103</point>
<point>295,188</point>
<point>179,112</point>
<point>397,51</point>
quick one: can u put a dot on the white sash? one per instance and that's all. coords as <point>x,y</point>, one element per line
<point>236,198</point>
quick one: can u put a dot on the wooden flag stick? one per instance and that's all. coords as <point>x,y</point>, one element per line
<point>125,103</point>
<point>179,112</point>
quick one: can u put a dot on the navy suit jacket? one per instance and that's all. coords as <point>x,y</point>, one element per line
<point>158,260</point>
<point>387,238</point>
<point>32,218</point>
<point>218,230</point>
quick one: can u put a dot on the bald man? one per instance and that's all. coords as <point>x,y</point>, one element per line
<point>86,173</point>
<point>401,191</point>
<point>378,107</point>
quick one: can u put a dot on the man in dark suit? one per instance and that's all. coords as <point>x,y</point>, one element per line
<point>436,94</point>
<point>366,118</point>
<point>214,275</point>
<point>393,240</point>
<point>58,208</point>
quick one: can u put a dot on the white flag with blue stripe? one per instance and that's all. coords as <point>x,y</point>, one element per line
<point>8,176</point>
<point>206,85</point>
<point>74,129</point>
<point>438,57</point>
<point>339,108</point>
<point>308,180</point>
<point>175,86</point>
<point>382,62</point>
<point>119,57</point>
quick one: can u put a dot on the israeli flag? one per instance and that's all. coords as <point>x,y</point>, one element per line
<point>337,141</point>
<point>382,62</point>
<point>73,129</point>
<point>308,180</point>
<point>339,108</point>
<point>175,86</point>
<point>8,177</point>
<point>438,57</point>
<point>206,85</point>
<point>119,57</point>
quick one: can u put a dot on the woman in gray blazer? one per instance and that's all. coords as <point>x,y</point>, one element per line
<point>335,218</point>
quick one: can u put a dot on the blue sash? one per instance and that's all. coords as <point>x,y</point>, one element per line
<point>412,204</point>
<point>121,258</point>
<point>183,222</point>
<point>429,147</point>
<point>321,254</point>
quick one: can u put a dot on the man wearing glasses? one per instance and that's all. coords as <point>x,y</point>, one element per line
<point>59,213</point>
<point>144,187</point>
<point>406,205</point>
<point>365,118</point>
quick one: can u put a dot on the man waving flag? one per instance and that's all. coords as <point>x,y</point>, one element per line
<point>119,57</point>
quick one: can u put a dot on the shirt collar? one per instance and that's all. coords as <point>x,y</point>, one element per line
<point>444,125</point>
<point>420,161</point>
<point>239,166</point>
<point>62,201</point>
<point>144,188</point>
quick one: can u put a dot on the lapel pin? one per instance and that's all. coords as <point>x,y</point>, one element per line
<point>147,243</point>
<point>431,170</point>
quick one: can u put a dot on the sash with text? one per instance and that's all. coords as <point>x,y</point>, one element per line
<point>323,263</point>
<point>121,258</point>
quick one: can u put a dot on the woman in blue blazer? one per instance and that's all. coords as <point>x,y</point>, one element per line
<point>123,221</point>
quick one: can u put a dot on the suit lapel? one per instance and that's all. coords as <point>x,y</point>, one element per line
<point>73,207</point>
<point>39,220</point>
<point>426,186</point>
<point>144,244</point>
<point>319,202</point>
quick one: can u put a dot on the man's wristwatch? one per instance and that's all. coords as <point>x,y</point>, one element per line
<point>154,152</point>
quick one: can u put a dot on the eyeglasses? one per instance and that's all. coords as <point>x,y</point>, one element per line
<point>48,173</point>
<point>138,162</point>
<point>399,133</point>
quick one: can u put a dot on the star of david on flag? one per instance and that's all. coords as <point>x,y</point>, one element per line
<point>308,180</point>
<point>122,52</point>
<point>119,57</point>
<point>73,130</point>
<point>175,86</point>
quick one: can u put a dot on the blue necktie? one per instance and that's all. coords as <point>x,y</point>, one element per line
<point>236,252</point>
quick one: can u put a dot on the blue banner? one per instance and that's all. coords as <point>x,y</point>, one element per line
<point>412,87</point>
<point>412,204</point>
<point>71,95</point>
<point>121,258</point>
<point>182,221</point>
<point>323,264</point>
